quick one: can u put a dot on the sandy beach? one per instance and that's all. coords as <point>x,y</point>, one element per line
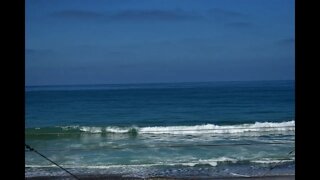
<point>116,177</point>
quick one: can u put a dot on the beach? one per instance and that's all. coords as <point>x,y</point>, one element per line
<point>114,177</point>
<point>147,131</point>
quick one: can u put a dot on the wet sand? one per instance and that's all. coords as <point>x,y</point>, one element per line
<point>116,177</point>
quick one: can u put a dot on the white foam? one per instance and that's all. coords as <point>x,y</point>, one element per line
<point>192,163</point>
<point>229,129</point>
<point>271,161</point>
<point>258,128</point>
<point>212,162</point>
<point>189,164</point>
<point>97,166</point>
<point>91,129</point>
<point>68,127</point>
<point>117,130</point>
<point>39,166</point>
<point>241,175</point>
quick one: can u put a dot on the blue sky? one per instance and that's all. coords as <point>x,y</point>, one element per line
<point>143,41</point>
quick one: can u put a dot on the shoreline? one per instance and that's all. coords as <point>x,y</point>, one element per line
<point>285,171</point>
<point>119,177</point>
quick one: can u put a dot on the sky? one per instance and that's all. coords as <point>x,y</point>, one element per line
<point>152,41</point>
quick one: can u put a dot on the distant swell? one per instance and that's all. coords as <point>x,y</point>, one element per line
<point>258,127</point>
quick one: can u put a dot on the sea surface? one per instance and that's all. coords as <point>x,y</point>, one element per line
<point>211,129</point>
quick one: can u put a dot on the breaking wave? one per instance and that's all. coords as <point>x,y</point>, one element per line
<point>257,127</point>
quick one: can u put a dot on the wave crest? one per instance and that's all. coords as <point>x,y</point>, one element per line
<point>255,128</point>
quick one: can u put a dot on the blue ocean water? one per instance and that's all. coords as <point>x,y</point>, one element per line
<point>168,129</point>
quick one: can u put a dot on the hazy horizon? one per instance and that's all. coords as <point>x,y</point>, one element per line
<point>137,83</point>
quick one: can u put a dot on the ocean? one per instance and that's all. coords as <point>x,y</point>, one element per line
<point>209,129</point>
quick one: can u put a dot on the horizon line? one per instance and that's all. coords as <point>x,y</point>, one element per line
<point>136,83</point>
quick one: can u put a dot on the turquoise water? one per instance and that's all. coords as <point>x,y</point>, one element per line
<point>143,130</point>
